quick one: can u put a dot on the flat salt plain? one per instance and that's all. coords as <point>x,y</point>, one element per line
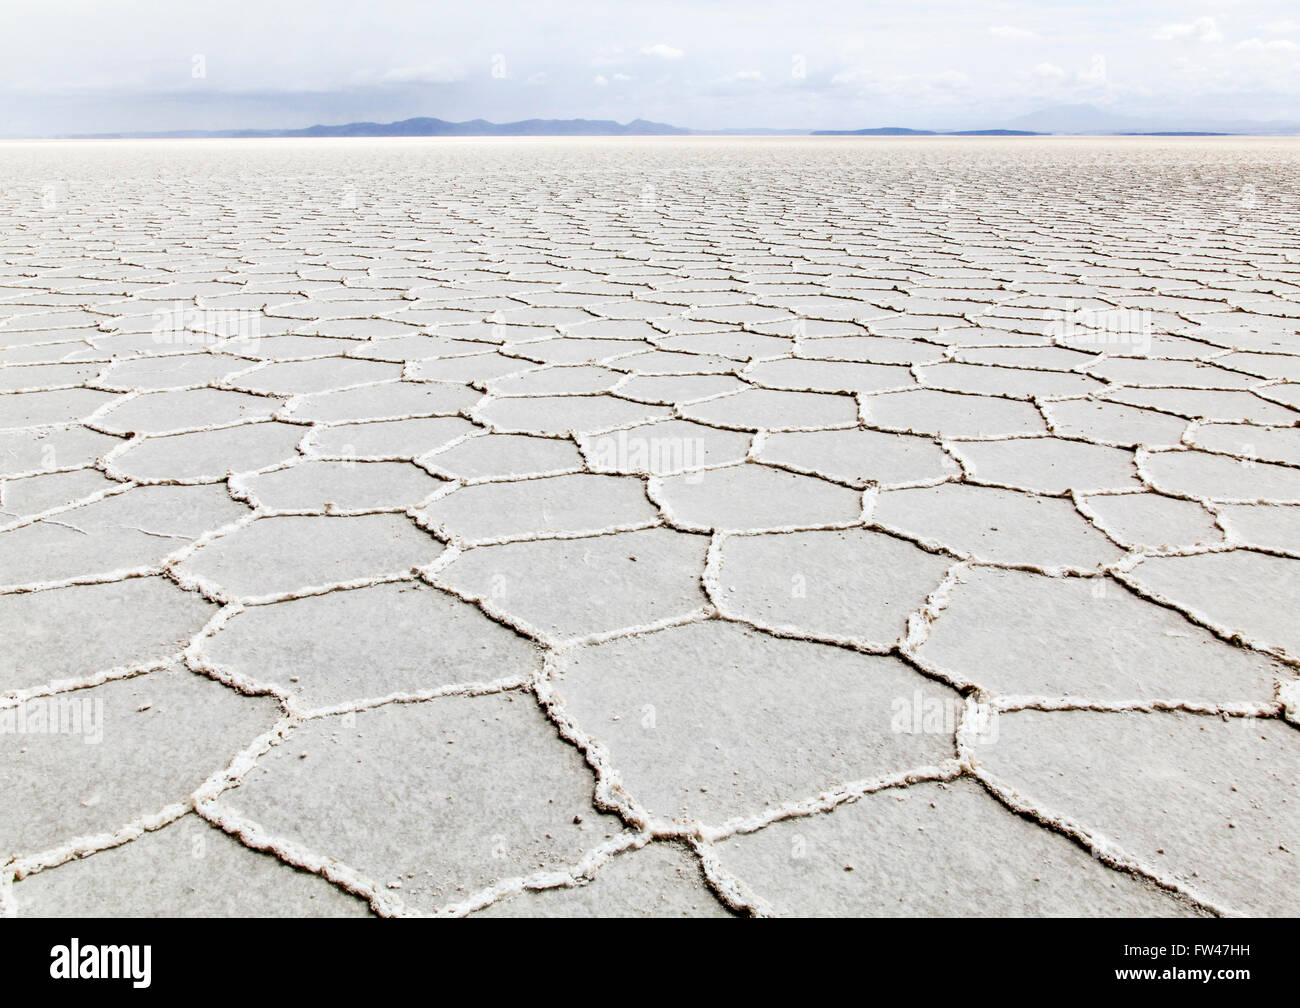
<point>653,526</point>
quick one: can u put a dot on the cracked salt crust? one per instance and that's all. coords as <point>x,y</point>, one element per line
<point>590,541</point>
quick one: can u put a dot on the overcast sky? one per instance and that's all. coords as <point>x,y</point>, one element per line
<point>110,65</point>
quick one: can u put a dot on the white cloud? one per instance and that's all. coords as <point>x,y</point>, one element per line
<point>662,51</point>
<point>1014,33</point>
<point>870,81</point>
<point>855,75</point>
<point>607,56</point>
<point>621,77</point>
<point>440,73</point>
<point>1048,73</point>
<point>1259,47</point>
<point>1203,29</point>
<point>1184,65</point>
<point>601,80</point>
<point>748,75</point>
<point>949,80</point>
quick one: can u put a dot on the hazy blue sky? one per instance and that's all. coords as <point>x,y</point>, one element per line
<point>107,65</point>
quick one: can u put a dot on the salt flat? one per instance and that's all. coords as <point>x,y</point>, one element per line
<point>650,526</point>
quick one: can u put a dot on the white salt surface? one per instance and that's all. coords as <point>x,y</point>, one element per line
<point>650,526</point>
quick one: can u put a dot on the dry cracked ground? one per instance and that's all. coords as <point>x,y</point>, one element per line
<point>678,527</point>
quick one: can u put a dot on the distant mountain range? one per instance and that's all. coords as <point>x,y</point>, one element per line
<point>424,127</point>
<point>1066,119</point>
